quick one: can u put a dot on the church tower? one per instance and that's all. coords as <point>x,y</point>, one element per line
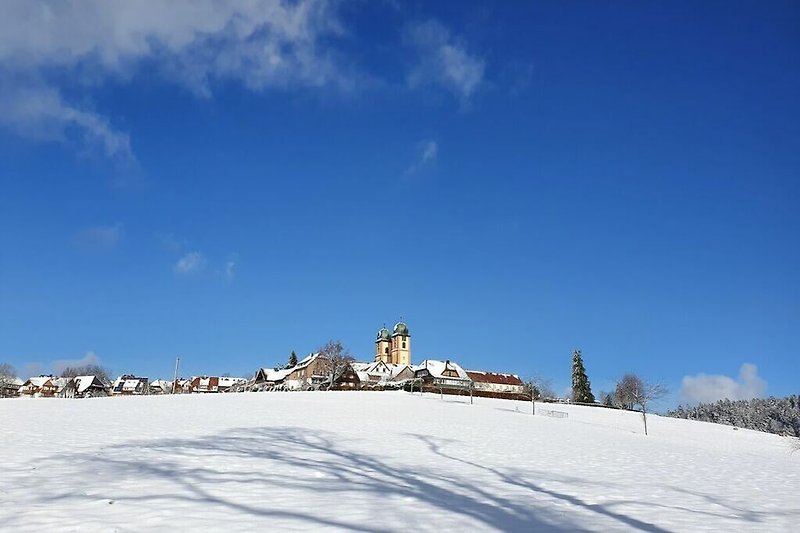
<point>383,346</point>
<point>401,344</point>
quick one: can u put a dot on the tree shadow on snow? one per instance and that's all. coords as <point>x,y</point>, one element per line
<point>515,479</point>
<point>226,470</point>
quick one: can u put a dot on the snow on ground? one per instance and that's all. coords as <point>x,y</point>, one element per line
<point>380,461</point>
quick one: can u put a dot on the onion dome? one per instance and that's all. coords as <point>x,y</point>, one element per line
<point>401,329</point>
<point>383,334</point>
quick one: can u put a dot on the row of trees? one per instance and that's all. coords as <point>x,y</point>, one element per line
<point>773,415</point>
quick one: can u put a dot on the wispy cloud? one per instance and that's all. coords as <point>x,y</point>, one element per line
<point>428,151</point>
<point>190,263</point>
<point>703,388</point>
<point>230,266</point>
<point>195,43</point>
<point>171,242</point>
<point>443,60</point>
<point>99,236</point>
<point>90,358</point>
<point>38,112</point>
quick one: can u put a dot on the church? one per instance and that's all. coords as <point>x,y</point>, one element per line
<point>394,347</point>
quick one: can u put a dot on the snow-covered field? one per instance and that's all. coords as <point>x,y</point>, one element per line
<point>380,461</point>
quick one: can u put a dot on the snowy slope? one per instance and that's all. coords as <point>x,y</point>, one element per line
<point>385,461</point>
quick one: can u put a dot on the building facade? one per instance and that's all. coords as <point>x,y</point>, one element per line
<point>394,347</point>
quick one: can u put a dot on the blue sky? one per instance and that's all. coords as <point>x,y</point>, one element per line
<point>517,180</point>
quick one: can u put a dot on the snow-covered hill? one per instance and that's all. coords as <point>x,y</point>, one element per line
<point>380,461</point>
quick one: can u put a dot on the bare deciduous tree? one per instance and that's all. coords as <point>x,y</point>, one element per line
<point>633,391</point>
<point>334,360</point>
<point>537,388</point>
<point>7,372</point>
<point>87,370</point>
<point>7,375</point>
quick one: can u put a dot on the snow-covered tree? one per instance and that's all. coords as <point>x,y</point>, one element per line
<point>773,415</point>
<point>581,388</point>
<point>292,362</point>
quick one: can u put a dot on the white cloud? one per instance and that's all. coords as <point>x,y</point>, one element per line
<point>428,152</point>
<point>59,365</point>
<point>443,60</point>
<point>704,388</point>
<point>195,43</point>
<point>189,263</point>
<point>99,236</point>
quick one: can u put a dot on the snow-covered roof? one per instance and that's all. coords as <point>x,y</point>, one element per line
<point>437,368</point>
<point>40,381</point>
<point>363,376</point>
<point>84,382</point>
<point>270,374</point>
<point>161,383</point>
<point>305,361</point>
<point>227,381</point>
<point>60,383</point>
<point>128,383</point>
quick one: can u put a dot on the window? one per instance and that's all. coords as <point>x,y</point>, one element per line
<point>404,344</point>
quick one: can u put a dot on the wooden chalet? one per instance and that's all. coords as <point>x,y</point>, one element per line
<point>9,387</point>
<point>350,379</point>
<point>39,387</point>
<point>270,378</point>
<point>442,375</point>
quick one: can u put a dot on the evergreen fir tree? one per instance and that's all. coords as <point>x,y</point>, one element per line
<point>292,360</point>
<point>581,389</point>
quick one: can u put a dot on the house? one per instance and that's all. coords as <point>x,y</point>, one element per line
<point>204,384</point>
<point>309,373</point>
<point>442,375</point>
<point>227,383</point>
<point>493,382</point>
<point>129,385</point>
<point>213,383</point>
<point>269,378</point>
<point>162,386</point>
<point>350,379</point>
<point>382,373</point>
<point>41,386</point>
<point>90,387</point>
<point>9,387</point>
<point>65,387</point>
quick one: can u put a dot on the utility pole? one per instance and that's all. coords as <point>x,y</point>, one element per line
<point>175,381</point>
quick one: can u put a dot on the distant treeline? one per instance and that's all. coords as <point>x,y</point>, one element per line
<point>773,415</point>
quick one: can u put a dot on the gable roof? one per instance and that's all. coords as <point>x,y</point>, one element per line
<point>82,383</point>
<point>437,368</point>
<point>270,374</point>
<point>494,377</point>
<point>40,381</point>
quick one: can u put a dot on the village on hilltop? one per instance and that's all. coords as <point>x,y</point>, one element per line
<point>331,368</point>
